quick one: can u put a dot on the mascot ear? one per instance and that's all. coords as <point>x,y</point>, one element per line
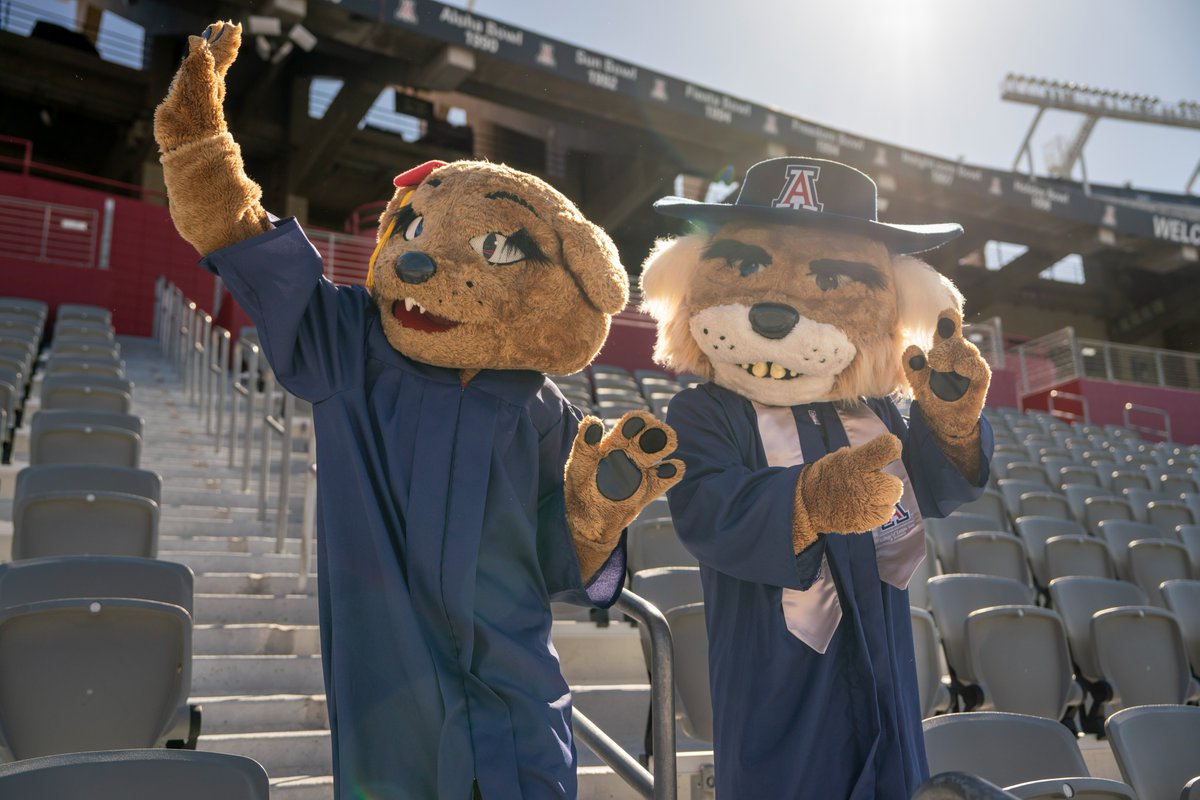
<point>592,259</point>
<point>666,275</point>
<point>922,293</point>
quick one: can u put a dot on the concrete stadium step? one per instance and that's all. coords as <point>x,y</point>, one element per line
<point>256,675</point>
<point>302,787</point>
<point>232,562</point>
<point>593,655</point>
<point>281,753</point>
<point>228,542</point>
<point>256,639</point>
<point>251,583</point>
<point>290,609</point>
<point>259,714</point>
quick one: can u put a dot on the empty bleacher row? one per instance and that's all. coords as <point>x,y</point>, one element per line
<point>1002,621</point>
<point>96,633</point>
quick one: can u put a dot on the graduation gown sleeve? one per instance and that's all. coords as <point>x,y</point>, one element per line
<point>311,331</point>
<point>733,517</point>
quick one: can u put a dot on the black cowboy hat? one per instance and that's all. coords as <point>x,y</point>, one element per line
<point>816,193</point>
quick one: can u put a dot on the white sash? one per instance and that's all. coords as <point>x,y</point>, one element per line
<point>813,615</point>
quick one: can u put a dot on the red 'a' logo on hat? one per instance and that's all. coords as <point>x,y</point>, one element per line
<point>800,190</point>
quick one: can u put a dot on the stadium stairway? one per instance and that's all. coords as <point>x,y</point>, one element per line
<point>256,664</point>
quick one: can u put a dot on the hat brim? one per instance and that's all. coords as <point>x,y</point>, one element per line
<point>899,239</point>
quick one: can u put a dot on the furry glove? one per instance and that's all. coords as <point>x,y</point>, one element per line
<point>213,203</point>
<point>611,477</point>
<point>951,384</point>
<point>846,491</point>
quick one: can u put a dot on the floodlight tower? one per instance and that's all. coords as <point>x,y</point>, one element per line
<point>1093,103</point>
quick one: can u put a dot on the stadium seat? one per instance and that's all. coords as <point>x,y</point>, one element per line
<point>18,326</point>
<point>1076,497</point>
<point>1019,657</point>
<point>1176,485</point>
<point>1027,471</point>
<point>1155,748</point>
<point>690,638</point>
<point>1035,531</point>
<point>76,329</point>
<point>24,307</point>
<point>76,365</point>
<point>1033,757</point>
<point>935,694</point>
<point>1077,555</point>
<point>1099,509</point>
<point>1122,479</point>
<point>91,674</point>
<point>76,311</point>
<point>989,504</point>
<point>1117,534</point>
<point>1182,598</point>
<point>1043,504</point>
<point>1140,499</point>
<point>945,531</point>
<point>654,543</point>
<point>88,348</point>
<point>952,598</point>
<point>136,775</point>
<point>656,509</point>
<point>41,579</point>
<point>1168,515</point>
<point>1141,655</point>
<point>1152,561</point>
<point>1013,489</point>
<point>85,437</point>
<point>991,553</point>
<point>918,590</point>
<point>1080,476</point>
<point>91,393</point>
<point>1189,535</point>
<point>73,509</point>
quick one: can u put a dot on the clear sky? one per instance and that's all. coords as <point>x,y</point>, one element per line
<point>923,74</point>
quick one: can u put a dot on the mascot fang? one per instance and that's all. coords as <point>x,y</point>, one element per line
<point>459,492</point>
<point>805,488</point>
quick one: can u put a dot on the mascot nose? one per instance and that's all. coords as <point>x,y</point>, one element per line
<point>773,320</point>
<point>415,267</point>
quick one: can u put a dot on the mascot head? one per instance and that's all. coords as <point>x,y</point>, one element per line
<point>795,293</point>
<point>479,266</point>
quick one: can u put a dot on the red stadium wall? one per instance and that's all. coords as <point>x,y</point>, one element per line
<point>1106,405</point>
<point>144,245</point>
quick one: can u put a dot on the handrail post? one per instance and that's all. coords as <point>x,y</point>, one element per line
<point>221,376</point>
<point>308,523</point>
<point>285,466</point>
<point>251,392</point>
<point>1076,356</point>
<point>264,474</point>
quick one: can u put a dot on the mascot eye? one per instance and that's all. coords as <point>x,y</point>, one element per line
<point>827,281</point>
<point>496,248</point>
<point>747,266</point>
<point>414,229</point>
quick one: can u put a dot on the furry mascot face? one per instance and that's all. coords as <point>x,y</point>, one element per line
<point>479,266</point>
<point>785,313</point>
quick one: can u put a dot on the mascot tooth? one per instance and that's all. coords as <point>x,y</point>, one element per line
<point>805,487</point>
<point>459,492</point>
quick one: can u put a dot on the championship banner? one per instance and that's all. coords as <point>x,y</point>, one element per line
<point>886,163</point>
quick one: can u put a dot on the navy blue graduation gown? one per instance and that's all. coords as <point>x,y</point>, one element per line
<point>789,721</point>
<point>442,539</point>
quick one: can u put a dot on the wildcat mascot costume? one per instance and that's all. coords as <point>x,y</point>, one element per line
<point>805,487</point>
<point>459,492</point>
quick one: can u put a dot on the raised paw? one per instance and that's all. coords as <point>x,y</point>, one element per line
<point>637,444</point>
<point>953,372</point>
<point>192,109</point>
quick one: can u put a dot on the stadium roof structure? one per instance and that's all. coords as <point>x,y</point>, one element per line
<point>610,134</point>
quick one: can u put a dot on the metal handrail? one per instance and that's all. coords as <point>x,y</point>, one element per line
<point>1068,415</point>
<point>248,391</point>
<point>281,425</point>
<point>218,384</point>
<point>662,785</point>
<point>308,522</point>
<point>1165,432</point>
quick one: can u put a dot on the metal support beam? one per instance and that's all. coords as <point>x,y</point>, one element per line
<point>322,140</point>
<point>1024,150</point>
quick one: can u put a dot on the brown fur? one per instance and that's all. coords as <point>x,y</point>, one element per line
<point>845,492</point>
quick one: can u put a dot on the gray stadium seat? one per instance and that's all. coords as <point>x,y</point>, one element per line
<point>1140,499</point>
<point>691,670</point>
<point>1118,534</point>
<point>78,365</point>
<point>91,674</point>
<point>1141,655</point>
<point>656,509</point>
<point>952,598</point>
<point>1019,656</point>
<point>989,504</point>
<point>1189,535</point>
<point>1175,485</point>
<point>136,775</point>
<point>1043,504</point>
<point>1027,471</point>
<point>1035,531</point>
<point>992,553</point>
<point>78,329</point>
<point>1012,491</point>
<point>935,695</point>
<point>1121,479</point>
<point>1157,748</point>
<point>666,588</point>
<point>68,311</point>
<point>1080,476</point>
<point>74,509</point>
<point>36,580</point>
<point>945,531</point>
<point>654,543</point>
<point>85,437</point>
<point>1030,756</point>
<point>1152,561</point>
<point>1077,555</point>
<point>90,393</point>
<point>25,307</point>
<point>1182,598</point>
<point>88,348</point>
<point>1099,509</point>
<point>1076,497</point>
<point>1168,515</point>
<point>918,591</point>
<point>1077,599</point>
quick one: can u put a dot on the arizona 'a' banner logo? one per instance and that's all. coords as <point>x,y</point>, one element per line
<point>545,55</point>
<point>407,12</point>
<point>899,516</point>
<point>800,190</point>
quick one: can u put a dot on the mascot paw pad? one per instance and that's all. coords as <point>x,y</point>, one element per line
<point>632,453</point>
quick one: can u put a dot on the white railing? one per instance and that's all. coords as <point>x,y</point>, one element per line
<point>988,336</point>
<point>48,232</point>
<point>346,257</point>
<point>1050,360</point>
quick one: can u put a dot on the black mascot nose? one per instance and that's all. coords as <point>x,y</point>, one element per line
<point>415,267</point>
<point>773,320</point>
